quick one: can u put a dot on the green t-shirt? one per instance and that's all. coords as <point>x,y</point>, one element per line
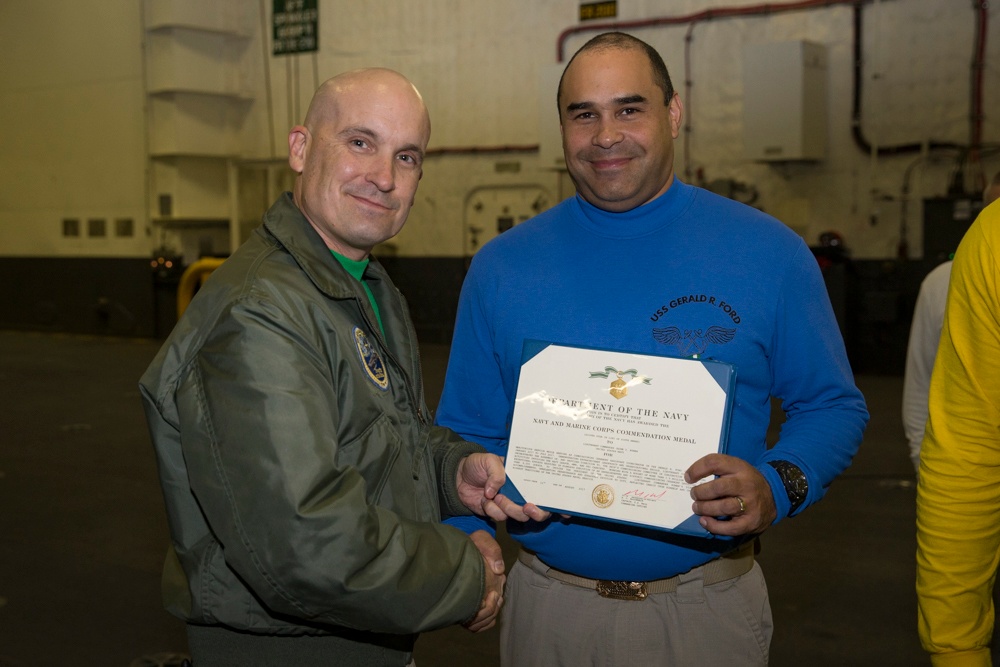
<point>357,270</point>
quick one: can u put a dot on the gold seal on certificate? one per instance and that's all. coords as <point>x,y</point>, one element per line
<point>603,495</point>
<point>615,452</point>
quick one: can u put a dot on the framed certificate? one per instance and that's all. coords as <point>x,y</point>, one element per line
<point>608,434</point>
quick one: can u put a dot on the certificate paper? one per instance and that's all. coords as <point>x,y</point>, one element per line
<point>609,434</point>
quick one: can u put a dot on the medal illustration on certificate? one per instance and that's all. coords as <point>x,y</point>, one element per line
<point>615,451</point>
<point>619,388</point>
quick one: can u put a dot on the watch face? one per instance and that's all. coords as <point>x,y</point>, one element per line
<point>794,480</point>
<point>800,483</point>
<point>799,486</point>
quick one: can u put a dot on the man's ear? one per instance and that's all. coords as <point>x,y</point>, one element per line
<point>675,111</point>
<point>298,140</point>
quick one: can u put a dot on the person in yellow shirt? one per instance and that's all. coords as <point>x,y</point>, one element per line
<point>958,494</point>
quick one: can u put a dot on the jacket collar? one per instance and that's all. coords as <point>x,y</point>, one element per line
<point>285,222</point>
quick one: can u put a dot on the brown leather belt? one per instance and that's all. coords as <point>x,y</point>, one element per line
<point>729,566</point>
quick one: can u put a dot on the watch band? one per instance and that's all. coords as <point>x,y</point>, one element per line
<point>795,482</point>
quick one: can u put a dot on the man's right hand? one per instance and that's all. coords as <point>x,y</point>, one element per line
<point>478,481</point>
<point>489,608</point>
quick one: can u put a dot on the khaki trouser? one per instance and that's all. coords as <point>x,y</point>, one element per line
<point>548,623</point>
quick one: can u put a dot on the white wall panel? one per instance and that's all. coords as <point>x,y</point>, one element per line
<point>194,60</point>
<point>220,16</point>
<point>72,143</point>
<point>479,60</point>
<point>72,105</point>
<point>52,43</point>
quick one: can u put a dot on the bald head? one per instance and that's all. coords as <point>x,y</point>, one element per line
<point>373,81</point>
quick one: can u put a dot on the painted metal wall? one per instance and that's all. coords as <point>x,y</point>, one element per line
<point>72,137</point>
<point>479,66</point>
<point>73,101</point>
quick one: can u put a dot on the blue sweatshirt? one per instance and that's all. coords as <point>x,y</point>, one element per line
<point>687,273</point>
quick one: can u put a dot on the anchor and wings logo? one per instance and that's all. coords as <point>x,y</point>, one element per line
<point>693,342</point>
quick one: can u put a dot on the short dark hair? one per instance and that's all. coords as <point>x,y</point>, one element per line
<point>621,40</point>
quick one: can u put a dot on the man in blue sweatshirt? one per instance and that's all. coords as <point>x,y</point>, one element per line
<point>639,261</point>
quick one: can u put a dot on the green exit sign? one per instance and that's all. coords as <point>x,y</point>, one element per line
<point>598,10</point>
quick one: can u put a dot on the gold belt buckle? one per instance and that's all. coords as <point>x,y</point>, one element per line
<point>622,590</point>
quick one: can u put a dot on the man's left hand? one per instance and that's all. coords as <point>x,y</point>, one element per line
<point>739,492</point>
<point>480,477</point>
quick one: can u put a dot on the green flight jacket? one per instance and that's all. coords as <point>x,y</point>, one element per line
<point>304,481</point>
